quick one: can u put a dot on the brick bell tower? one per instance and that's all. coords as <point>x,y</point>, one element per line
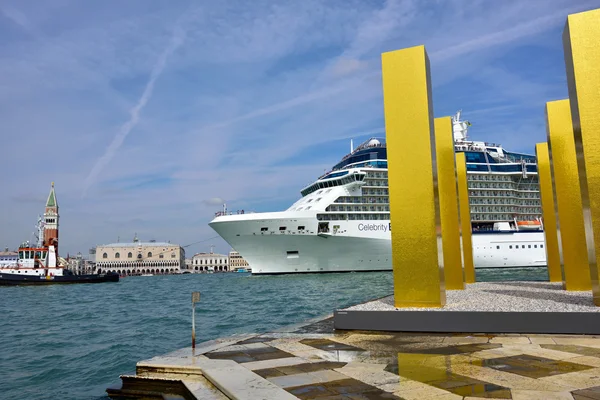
<point>51,220</point>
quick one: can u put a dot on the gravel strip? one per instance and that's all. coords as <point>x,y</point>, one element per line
<point>501,296</point>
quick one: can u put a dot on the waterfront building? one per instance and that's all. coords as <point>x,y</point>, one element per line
<point>8,258</point>
<point>210,262</point>
<point>236,261</point>
<point>76,264</point>
<point>138,258</point>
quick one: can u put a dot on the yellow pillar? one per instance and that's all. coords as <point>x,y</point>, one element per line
<point>465,217</point>
<point>446,169</point>
<point>581,42</point>
<point>414,206</point>
<point>548,212</point>
<point>569,217</point>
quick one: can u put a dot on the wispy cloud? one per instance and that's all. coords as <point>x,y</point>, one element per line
<point>176,41</point>
<point>510,34</point>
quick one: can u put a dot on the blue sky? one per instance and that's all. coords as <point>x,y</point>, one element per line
<point>148,114</point>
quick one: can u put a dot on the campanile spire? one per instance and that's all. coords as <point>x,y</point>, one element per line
<point>51,220</point>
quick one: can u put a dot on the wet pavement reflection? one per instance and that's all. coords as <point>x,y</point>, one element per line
<point>324,364</point>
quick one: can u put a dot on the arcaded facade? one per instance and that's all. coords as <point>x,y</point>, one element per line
<point>209,262</point>
<point>140,258</point>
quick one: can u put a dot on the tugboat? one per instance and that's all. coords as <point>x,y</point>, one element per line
<point>37,265</point>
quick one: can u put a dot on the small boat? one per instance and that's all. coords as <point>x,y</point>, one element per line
<point>37,266</point>
<point>147,275</point>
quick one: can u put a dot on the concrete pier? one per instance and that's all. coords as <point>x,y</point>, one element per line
<point>312,360</point>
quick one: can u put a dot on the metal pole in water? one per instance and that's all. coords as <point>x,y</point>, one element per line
<point>195,299</point>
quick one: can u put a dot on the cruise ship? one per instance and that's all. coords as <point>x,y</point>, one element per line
<point>342,221</point>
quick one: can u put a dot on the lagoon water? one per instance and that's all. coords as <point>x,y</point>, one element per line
<point>73,341</point>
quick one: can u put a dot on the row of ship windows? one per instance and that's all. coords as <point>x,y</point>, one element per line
<point>504,185</point>
<point>500,178</point>
<point>505,201</point>
<point>377,174</point>
<point>502,193</point>
<point>282,228</point>
<point>515,209</point>
<point>361,199</point>
<point>353,217</point>
<point>494,217</point>
<point>373,182</point>
<point>130,255</point>
<point>375,192</point>
<point>488,177</point>
<point>385,207</point>
<point>332,183</point>
<point>529,246</point>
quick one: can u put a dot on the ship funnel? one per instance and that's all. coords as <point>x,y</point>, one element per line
<point>459,128</point>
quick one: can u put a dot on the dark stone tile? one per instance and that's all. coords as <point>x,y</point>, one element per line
<point>530,366</point>
<point>271,355</point>
<point>263,353</point>
<point>257,339</point>
<point>345,386</point>
<point>582,350</point>
<point>328,345</point>
<point>592,393</point>
<point>310,391</point>
<point>371,395</point>
<point>264,350</point>
<point>269,372</point>
<point>484,390</point>
<point>320,366</point>
<point>230,355</point>
<point>310,367</point>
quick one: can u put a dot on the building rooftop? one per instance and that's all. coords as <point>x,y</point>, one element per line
<point>138,244</point>
<point>209,254</point>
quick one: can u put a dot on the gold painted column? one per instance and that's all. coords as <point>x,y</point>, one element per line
<point>548,212</point>
<point>414,206</point>
<point>465,217</point>
<point>446,169</point>
<point>581,42</point>
<point>569,216</point>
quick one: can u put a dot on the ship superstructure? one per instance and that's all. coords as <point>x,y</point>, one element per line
<point>342,221</point>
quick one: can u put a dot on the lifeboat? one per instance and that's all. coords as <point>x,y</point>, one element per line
<point>529,225</point>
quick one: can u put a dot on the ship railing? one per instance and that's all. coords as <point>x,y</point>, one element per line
<point>237,212</point>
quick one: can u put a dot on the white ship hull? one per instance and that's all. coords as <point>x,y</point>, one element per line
<point>352,246</point>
